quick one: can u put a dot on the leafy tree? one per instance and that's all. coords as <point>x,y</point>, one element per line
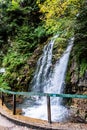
<point>59,14</point>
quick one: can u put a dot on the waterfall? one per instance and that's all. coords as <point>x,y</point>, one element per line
<point>47,80</point>
<point>43,70</point>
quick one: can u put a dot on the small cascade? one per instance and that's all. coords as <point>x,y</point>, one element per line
<point>57,81</point>
<point>47,80</point>
<point>44,64</point>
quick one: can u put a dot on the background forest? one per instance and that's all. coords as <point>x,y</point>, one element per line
<point>26,26</point>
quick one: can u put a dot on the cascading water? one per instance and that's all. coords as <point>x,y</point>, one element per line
<point>43,71</point>
<point>47,80</point>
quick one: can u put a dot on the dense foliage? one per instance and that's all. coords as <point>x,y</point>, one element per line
<point>24,28</point>
<point>81,39</point>
<point>18,39</point>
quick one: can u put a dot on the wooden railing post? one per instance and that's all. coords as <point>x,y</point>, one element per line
<point>2,96</point>
<point>14,104</point>
<point>49,109</point>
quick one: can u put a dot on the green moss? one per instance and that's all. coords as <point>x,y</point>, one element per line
<point>68,77</point>
<point>83,67</point>
<point>59,47</point>
<point>60,41</point>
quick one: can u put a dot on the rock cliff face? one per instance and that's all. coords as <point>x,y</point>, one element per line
<point>77,84</point>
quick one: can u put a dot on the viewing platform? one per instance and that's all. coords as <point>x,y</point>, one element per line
<point>38,124</point>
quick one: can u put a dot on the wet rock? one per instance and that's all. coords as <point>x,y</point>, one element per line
<point>78,119</point>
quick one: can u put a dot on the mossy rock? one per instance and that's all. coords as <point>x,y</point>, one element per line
<point>59,47</point>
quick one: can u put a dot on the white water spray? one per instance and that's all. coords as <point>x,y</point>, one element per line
<point>50,82</point>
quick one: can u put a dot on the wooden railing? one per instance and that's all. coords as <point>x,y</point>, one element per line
<point>48,95</point>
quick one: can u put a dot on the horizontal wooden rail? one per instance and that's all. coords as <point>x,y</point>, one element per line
<point>48,95</point>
